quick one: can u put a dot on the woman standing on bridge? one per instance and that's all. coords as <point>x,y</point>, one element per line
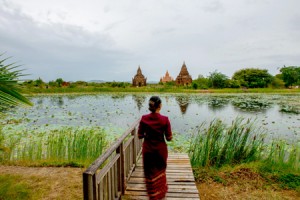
<point>155,128</point>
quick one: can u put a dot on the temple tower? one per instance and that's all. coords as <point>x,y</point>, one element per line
<point>166,78</point>
<point>184,78</point>
<point>139,79</point>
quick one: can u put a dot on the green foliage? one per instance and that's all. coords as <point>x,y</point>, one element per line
<point>282,157</point>
<point>290,75</point>
<point>233,84</point>
<point>9,95</point>
<point>52,84</point>
<point>59,82</point>
<point>201,82</point>
<point>289,181</point>
<point>218,145</point>
<point>277,83</point>
<point>12,189</point>
<point>118,84</point>
<point>253,77</point>
<point>39,82</point>
<point>62,147</point>
<point>217,80</point>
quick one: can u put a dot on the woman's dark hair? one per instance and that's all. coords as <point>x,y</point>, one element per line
<point>154,103</point>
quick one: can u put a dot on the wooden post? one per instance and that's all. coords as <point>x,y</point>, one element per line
<point>121,172</point>
<point>88,189</point>
<point>134,142</point>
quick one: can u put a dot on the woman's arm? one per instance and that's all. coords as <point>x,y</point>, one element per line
<point>141,132</point>
<point>168,132</point>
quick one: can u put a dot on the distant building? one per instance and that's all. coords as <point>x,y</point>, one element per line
<point>139,79</point>
<point>184,78</point>
<point>166,78</point>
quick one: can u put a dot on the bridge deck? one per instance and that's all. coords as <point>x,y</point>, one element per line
<point>180,179</point>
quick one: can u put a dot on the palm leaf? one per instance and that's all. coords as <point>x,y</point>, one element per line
<point>9,75</point>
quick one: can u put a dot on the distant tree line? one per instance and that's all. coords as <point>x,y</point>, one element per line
<point>244,78</point>
<point>250,78</point>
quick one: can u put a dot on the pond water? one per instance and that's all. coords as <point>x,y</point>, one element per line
<point>279,114</point>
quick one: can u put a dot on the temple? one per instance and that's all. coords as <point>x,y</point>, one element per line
<point>139,79</point>
<point>166,78</point>
<point>184,78</point>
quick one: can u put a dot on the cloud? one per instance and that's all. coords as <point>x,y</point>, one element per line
<point>52,50</point>
<point>109,39</point>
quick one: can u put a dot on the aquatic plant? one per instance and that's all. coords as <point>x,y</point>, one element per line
<point>242,142</point>
<point>66,145</point>
<point>218,144</point>
<point>282,156</point>
<point>289,109</point>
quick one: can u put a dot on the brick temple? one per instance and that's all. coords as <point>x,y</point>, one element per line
<point>139,79</point>
<point>166,78</point>
<point>184,78</point>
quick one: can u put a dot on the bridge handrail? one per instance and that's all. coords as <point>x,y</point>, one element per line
<point>110,181</point>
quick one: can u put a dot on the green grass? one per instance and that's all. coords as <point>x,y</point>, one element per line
<point>149,88</point>
<point>219,151</point>
<point>219,145</point>
<point>12,189</point>
<point>58,147</point>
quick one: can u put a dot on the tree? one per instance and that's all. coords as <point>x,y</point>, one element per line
<point>290,75</point>
<point>217,80</point>
<point>9,95</point>
<point>253,77</point>
<point>38,82</point>
<point>59,81</point>
<point>201,82</point>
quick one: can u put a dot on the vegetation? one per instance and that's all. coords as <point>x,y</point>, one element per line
<point>58,147</point>
<point>290,75</point>
<point>224,154</point>
<point>9,95</point>
<point>253,78</point>
<point>219,146</point>
<point>244,80</point>
<point>217,80</point>
<point>11,188</point>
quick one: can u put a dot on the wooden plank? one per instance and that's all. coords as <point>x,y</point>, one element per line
<point>133,186</point>
<point>179,194</point>
<point>180,178</point>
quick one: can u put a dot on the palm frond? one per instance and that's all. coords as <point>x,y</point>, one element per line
<point>9,75</point>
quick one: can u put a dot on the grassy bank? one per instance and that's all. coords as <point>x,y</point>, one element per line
<point>150,88</point>
<point>225,155</point>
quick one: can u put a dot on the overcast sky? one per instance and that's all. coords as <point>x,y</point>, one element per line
<point>109,39</point>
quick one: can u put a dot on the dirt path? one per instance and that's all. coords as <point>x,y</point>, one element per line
<point>50,182</point>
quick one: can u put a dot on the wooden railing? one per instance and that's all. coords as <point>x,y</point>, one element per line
<point>107,177</point>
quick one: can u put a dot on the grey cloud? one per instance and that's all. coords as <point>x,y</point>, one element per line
<point>57,49</point>
<point>213,6</point>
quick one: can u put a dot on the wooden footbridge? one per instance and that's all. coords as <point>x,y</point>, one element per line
<point>118,173</point>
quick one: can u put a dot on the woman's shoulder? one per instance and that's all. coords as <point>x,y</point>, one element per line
<point>164,116</point>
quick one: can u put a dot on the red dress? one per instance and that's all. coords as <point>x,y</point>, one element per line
<point>154,128</point>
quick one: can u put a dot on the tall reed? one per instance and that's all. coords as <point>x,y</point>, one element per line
<point>60,146</point>
<point>282,157</point>
<point>218,144</point>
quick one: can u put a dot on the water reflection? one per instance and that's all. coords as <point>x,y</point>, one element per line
<point>57,100</point>
<point>40,101</point>
<point>183,102</point>
<point>139,100</point>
